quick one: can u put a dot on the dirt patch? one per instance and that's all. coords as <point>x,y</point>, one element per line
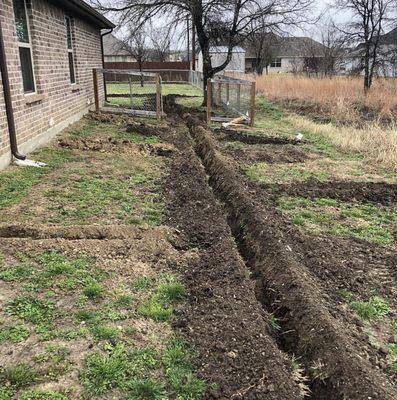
<point>143,129</point>
<point>286,286</point>
<point>237,136</point>
<point>223,319</point>
<point>375,192</point>
<point>271,154</point>
<point>117,119</point>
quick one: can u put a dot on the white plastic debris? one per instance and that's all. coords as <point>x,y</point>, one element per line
<point>29,163</point>
<point>299,137</point>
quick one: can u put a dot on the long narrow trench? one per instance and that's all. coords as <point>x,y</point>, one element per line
<point>284,288</point>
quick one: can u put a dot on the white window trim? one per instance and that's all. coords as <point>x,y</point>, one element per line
<point>70,50</point>
<point>28,46</point>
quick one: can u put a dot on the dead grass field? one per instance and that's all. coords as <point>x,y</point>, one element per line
<point>337,109</point>
<point>341,99</point>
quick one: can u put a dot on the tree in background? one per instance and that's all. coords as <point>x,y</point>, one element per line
<point>334,44</point>
<point>135,42</point>
<point>262,44</point>
<point>368,18</point>
<point>238,18</point>
<point>160,40</point>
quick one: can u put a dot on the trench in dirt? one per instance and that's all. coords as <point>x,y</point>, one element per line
<point>288,291</point>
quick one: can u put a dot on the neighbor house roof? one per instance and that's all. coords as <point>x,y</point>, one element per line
<point>294,46</point>
<point>225,49</point>
<point>84,11</point>
<point>389,37</point>
<point>113,46</point>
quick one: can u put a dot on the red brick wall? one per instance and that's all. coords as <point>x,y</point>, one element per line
<point>58,99</point>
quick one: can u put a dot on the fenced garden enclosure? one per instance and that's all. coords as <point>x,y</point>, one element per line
<point>141,93</point>
<point>130,92</point>
<point>230,98</point>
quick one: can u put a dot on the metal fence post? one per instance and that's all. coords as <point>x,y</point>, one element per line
<point>209,101</point>
<point>253,103</point>
<point>238,96</point>
<point>158,97</point>
<point>131,99</point>
<point>96,94</point>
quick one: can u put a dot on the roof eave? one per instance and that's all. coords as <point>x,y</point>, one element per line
<point>84,11</point>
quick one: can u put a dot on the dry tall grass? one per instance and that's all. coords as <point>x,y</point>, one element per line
<point>377,143</point>
<point>339,99</point>
<point>338,109</point>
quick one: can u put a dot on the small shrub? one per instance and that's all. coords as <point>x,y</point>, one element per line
<point>93,290</point>
<point>372,310</point>
<point>153,308</point>
<point>20,376</point>
<point>148,389</point>
<point>32,309</point>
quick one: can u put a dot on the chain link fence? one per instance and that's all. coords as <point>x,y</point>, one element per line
<point>230,98</point>
<point>130,92</point>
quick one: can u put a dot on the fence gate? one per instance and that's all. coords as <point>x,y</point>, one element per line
<point>128,92</point>
<point>230,98</point>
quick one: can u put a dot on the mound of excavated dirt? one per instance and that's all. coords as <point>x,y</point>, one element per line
<point>375,192</point>
<point>223,319</point>
<point>269,153</point>
<point>310,328</point>
<point>236,136</point>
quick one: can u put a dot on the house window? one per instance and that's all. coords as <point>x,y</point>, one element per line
<point>25,46</point>
<point>276,63</point>
<point>69,35</point>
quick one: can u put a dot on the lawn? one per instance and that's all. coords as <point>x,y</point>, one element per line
<point>92,318</point>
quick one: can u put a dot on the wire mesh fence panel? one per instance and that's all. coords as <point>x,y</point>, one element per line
<point>196,78</point>
<point>230,98</point>
<point>132,92</point>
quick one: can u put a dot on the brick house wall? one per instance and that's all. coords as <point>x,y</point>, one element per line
<point>57,102</point>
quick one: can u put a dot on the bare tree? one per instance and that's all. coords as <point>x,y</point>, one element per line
<point>334,43</point>
<point>367,20</point>
<point>160,39</point>
<point>135,42</point>
<point>262,44</point>
<point>238,19</point>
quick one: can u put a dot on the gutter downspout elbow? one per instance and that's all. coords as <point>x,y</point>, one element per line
<point>103,61</point>
<point>8,101</point>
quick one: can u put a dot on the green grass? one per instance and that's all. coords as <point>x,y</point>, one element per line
<point>267,173</point>
<point>131,198</point>
<point>14,334</point>
<point>360,220</point>
<point>18,376</point>
<point>160,305</point>
<point>374,309</point>
<point>39,395</point>
<point>16,182</point>
<point>32,309</point>
<point>130,372</point>
<point>167,89</point>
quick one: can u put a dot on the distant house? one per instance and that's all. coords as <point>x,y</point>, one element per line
<point>114,50</point>
<point>387,57</point>
<point>48,49</point>
<point>218,57</point>
<point>289,54</point>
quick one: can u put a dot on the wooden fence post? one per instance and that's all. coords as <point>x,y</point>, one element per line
<point>227,93</point>
<point>96,94</point>
<point>158,97</point>
<point>209,101</point>
<point>253,103</point>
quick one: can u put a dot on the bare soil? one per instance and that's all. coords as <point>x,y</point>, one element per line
<point>315,324</point>
<point>223,319</point>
